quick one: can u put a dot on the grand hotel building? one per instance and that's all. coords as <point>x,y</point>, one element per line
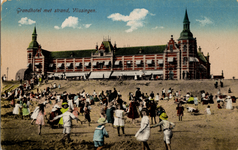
<point>175,60</point>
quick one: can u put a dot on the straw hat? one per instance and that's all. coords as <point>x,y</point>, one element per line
<point>163,116</point>
<point>102,121</point>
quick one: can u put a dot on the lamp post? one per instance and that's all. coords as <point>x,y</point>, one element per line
<point>7,73</point>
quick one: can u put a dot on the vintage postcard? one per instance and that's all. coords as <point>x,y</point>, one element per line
<point>95,74</point>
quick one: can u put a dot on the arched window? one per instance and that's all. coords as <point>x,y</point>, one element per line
<point>29,55</point>
<point>184,60</point>
<point>185,48</point>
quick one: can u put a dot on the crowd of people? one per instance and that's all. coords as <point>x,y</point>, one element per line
<point>113,110</point>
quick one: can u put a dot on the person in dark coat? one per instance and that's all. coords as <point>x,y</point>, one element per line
<point>115,94</point>
<point>221,83</point>
<point>152,95</point>
<point>152,109</point>
<point>138,94</point>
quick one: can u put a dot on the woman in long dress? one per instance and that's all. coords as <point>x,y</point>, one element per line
<point>144,132</point>
<point>133,113</point>
<point>119,119</point>
<point>40,118</point>
<point>229,103</point>
<point>109,114</point>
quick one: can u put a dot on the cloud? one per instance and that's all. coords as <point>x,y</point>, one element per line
<point>87,25</point>
<point>205,21</point>
<point>72,22</point>
<point>3,1</point>
<point>134,20</point>
<point>26,21</point>
<point>57,27</point>
<point>161,27</point>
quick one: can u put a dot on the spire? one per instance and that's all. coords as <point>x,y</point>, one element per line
<point>34,35</point>
<point>34,31</point>
<point>34,44</point>
<point>186,33</point>
<point>186,20</point>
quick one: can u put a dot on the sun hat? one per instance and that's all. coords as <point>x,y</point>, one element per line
<point>65,103</point>
<point>54,109</point>
<point>163,116</point>
<point>102,121</point>
<point>159,106</point>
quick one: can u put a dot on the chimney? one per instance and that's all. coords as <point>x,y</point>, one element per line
<point>96,46</point>
<point>199,49</point>
<point>208,56</point>
<point>115,46</point>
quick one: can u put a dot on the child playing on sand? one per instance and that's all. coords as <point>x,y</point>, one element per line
<point>67,119</point>
<point>99,134</point>
<point>16,109</point>
<point>119,119</point>
<point>180,110</point>
<point>40,118</point>
<point>144,132</point>
<point>87,110</point>
<point>167,128</point>
<point>208,110</point>
<point>35,114</point>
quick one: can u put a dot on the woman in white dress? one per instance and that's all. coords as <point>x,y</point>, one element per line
<point>229,103</point>
<point>70,103</point>
<point>16,109</point>
<point>119,119</point>
<point>144,132</point>
<point>35,114</point>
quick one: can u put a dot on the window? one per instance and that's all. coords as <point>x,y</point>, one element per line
<point>184,60</point>
<point>171,47</point>
<point>190,48</point>
<point>128,63</point>
<point>29,55</point>
<point>184,48</point>
<point>101,65</point>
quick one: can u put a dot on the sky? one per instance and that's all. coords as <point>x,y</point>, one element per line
<point>79,25</point>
